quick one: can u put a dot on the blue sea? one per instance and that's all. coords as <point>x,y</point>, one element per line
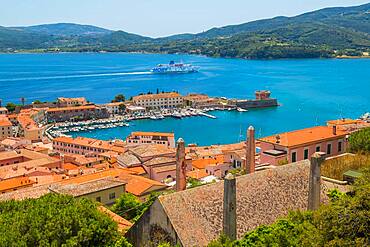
<point>310,91</point>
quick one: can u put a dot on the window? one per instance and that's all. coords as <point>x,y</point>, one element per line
<point>112,196</point>
<point>98,199</point>
<point>318,149</point>
<point>305,154</point>
<point>328,150</point>
<point>339,146</point>
<point>294,156</point>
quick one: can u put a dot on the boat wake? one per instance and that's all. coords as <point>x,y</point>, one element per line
<point>75,76</point>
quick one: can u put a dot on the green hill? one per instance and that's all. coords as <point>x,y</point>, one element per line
<point>65,29</point>
<point>323,33</point>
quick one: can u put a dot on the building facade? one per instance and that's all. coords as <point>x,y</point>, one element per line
<point>77,113</point>
<point>6,128</point>
<point>85,146</point>
<point>159,101</point>
<point>302,144</point>
<point>138,138</point>
<point>63,102</point>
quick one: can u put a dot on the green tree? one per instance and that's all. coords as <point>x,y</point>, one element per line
<point>36,102</point>
<point>359,142</point>
<point>131,208</point>
<point>127,206</point>
<point>56,220</point>
<point>119,98</point>
<point>122,107</point>
<point>11,106</point>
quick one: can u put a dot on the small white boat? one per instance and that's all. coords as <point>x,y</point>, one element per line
<point>241,109</point>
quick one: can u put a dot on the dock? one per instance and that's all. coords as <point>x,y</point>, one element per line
<point>207,115</point>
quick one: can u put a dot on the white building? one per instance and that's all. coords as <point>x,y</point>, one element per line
<point>161,100</point>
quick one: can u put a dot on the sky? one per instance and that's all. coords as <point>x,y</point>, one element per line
<point>155,18</point>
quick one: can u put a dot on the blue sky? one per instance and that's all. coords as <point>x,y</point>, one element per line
<point>155,17</point>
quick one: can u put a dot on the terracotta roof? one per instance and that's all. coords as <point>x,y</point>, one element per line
<point>139,170</point>
<point>89,142</point>
<point>140,186</point>
<point>150,150</point>
<point>25,193</point>
<point>123,224</point>
<point>141,133</point>
<point>343,121</point>
<point>262,197</point>
<point>4,121</point>
<point>114,104</point>
<point>81,189</point>
<point>26,122</point>
<point>160,161</point>
<point>156,96</point>
<point>15,183</point>
<point>203,163</point>
<point>197,174</point>
<point>72,108</point>
<point>128,159</point>
<point>305,136</point>
<point>69,166</point>
<point>62,99</point>
<point>36,148</point>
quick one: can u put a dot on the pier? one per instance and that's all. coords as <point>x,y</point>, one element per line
<point>207,115</point>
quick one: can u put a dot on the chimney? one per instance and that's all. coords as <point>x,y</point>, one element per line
<point>334,130</point>
<point>180,166</point>
<point>251,151</point>
<point>315,181</point>
<point>229,214</point>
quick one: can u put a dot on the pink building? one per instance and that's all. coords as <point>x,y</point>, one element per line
<point>301,144</point>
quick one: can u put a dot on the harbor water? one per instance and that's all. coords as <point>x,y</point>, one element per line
<point>310,91</point>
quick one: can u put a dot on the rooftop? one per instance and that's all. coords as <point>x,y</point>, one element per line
<point>62,99</point>
<point>160,161</point>
<point>89,142</point>
<point>4,121</point>
<point>197,174</point>
<point>14,183</point>
<point>141,133</point>
<point>86,188</point>
<point>304,136</point>
<point>72,108</point>
<point>123,224</point>
<point>140,186</point>
<point>262,197</point>
<point>150,150</point>
<point>156,96</point>
<point>203,163</point>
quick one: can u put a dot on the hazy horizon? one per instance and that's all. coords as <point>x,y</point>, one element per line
<point>155,19</point>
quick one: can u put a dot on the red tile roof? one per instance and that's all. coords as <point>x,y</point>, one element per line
<point>304,136</point>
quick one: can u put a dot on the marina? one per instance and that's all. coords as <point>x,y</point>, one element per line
<point>66,128</point>
<point>23,75</point>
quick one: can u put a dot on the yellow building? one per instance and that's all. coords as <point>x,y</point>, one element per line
<point>6,128</point>
<point>105,190</point>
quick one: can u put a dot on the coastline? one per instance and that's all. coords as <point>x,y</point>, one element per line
<point>189,54</point>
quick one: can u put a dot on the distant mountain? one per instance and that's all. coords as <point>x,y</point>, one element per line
<point>65,29</point>
<point>323,33</point>
<point>19,39</point>
<point>356,18</point>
